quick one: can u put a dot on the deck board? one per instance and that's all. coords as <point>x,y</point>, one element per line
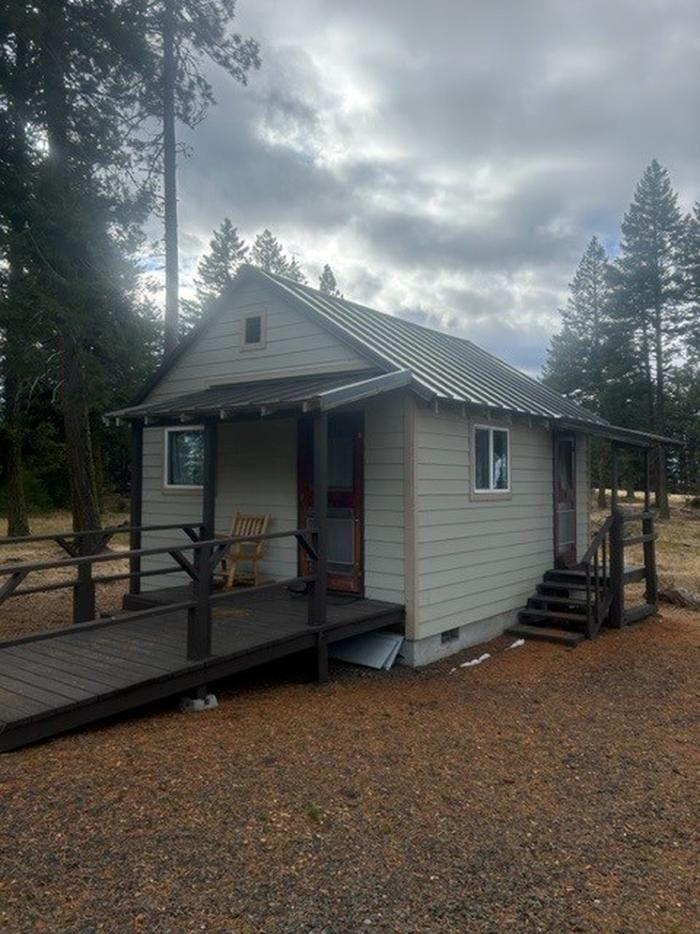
<point>74,676</point>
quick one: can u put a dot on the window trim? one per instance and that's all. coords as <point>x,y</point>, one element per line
<point>262,343</point>
<point>490,493</point>
<point>177,487</point>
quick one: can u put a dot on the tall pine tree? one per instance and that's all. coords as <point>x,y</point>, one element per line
<point>215,272</point>
<point>649,295</point>
<point>267,253</point>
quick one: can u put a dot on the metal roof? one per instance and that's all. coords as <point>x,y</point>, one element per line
<point>325,392</point>
<point>449,367</point>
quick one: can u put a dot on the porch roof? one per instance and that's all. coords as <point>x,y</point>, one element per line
<point>320,391</point>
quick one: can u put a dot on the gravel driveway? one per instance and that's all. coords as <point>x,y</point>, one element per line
<point>543,790</point>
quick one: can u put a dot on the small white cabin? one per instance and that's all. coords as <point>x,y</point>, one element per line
<point>454,482</point>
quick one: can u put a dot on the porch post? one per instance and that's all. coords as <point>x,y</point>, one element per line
<point>647,480</point>
<point>617,550</point>
<point>321,515</point>
<point>136,510</point>
<point>199,621</point>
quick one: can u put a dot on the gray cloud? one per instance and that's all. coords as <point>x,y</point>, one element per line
<point>450,160</point>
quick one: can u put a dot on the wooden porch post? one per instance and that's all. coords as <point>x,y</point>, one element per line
<point>320,596</point>
<point>199,621</point>
<point>136,511</point>
<point>617,556</point>
<point>651,594</point>
<point>647,480</point>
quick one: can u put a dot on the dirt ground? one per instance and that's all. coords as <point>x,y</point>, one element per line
<point>547,789</point>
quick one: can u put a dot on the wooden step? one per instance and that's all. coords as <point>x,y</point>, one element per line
<point>555,614</point>
<point>559,600</point>
<point>636,613</point>
<point>578,575</point>
<point>547,634</point>
<point>553,585</point>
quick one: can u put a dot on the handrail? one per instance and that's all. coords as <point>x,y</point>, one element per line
<point>206,554</point>
<point>597,540</point>
<point>221,543</point>
<point>62,537</point>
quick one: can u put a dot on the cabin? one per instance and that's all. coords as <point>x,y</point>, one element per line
<point>457,488</point>
<point>378,478</point>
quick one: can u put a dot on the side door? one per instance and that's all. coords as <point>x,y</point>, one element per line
<point>564,500</point>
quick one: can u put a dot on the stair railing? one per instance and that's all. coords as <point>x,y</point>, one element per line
<point>599,588</point>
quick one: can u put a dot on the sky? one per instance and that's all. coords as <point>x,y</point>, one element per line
<point>450,160</point>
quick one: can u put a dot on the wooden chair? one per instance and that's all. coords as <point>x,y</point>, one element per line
<point>246,552</point>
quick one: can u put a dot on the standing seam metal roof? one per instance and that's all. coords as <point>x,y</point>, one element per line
<point>451,367</point>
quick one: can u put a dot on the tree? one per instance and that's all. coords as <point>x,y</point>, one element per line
<point>16,169</point>
<point>267,253</point>
<point>581,363</point>
<point>649,294</point>
<point>293,271</point>
<point>185,35</point>
<point>215,272</point>
<point>82,213</point>
<point>327,283</point>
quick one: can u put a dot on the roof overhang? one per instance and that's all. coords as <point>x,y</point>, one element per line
<point>324,392</point>
<point>628,436</point>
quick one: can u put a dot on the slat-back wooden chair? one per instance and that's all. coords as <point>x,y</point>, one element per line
<point>245,552</point>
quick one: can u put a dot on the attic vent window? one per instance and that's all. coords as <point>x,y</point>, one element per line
<point>253,333</point>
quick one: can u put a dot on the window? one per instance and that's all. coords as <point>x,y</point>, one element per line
<point>253,331</point>
<point>184,457</point>
<point>491,460</point>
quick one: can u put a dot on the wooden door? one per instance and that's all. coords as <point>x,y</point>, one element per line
<point>564,500</point>
<point>345,499</point>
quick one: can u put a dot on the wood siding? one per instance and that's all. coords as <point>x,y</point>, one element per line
<point>384,498</point>
<point>476,559</point>
<point>294,344</point>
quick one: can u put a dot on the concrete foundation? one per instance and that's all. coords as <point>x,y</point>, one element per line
<point>418,652</point>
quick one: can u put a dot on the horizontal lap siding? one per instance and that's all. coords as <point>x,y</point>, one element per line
<point>384,499</point>
<point>256,474</point>
<point>294,343</point>
<point>477,559</point>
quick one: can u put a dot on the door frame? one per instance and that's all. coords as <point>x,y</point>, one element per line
<point>568,559</point>
<point>339,583</point>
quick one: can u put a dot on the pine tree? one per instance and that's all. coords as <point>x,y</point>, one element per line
<point>215,272</point>
<point>293,271</point>
<point>267,253</point>
<point>579,362</point>
<point>327,283</point>
<point>649,297</point>
<point>185,35</point>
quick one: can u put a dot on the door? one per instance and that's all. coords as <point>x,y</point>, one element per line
<point>345,501</point>
<point>564,500</point>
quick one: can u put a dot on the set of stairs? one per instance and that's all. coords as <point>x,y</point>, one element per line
<point>557,611</point>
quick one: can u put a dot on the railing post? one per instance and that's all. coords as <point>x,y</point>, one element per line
<point>617,570</point>
<point>136,511</point>
<point>84,592</point>
<point>652,584</point>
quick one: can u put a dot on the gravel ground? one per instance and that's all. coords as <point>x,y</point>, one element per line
<point>543,790</point>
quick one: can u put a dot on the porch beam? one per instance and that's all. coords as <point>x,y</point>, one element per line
<point>320,596</point>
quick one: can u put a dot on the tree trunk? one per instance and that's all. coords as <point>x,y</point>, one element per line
<point>64,270</point>
<point>661,490</point>
<point>81,467</point>
<point>169,179</point>
<point>17,520</point>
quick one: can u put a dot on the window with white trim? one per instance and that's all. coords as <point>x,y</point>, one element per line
<point>491,459</point>
<point>184,458</point>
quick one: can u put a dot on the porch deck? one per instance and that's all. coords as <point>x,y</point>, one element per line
<point>65,678</point>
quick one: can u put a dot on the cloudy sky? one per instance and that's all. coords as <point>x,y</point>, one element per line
<point>450,160</point>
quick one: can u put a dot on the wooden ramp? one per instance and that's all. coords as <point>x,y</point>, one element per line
<point>65,678</point>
